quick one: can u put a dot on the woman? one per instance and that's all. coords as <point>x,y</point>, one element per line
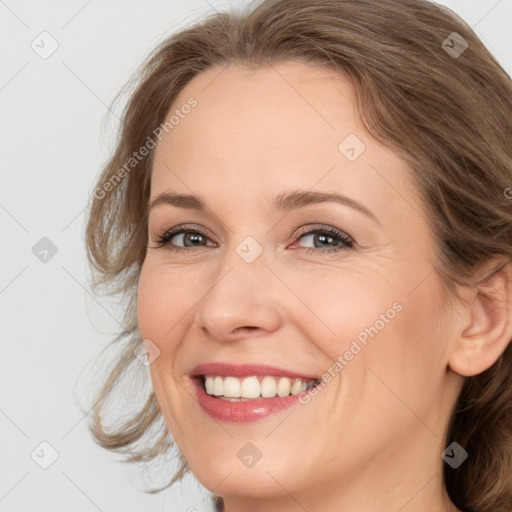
<point>309,211</point>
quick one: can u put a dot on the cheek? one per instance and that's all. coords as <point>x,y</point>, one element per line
<point>161,302</point>
<point>160,306</point>
<point>353,307</point>
<point>408,358</point>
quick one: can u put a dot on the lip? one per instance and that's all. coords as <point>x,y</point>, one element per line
<point>246,370</point>
<point>242,412</point>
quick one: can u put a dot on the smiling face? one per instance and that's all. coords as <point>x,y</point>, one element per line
<point>344,288</point>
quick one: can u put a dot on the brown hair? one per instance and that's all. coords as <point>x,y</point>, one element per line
<point>448,114</point>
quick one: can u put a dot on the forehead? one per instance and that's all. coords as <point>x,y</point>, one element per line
<point>285,108</point>
<point>274,128</point>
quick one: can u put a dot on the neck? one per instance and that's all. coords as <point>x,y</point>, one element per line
<point>420,501</point>
<point>403,482</point>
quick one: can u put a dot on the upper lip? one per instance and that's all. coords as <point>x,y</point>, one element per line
<point>246,370</point>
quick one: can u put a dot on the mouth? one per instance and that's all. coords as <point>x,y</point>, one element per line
<point>246,393</point>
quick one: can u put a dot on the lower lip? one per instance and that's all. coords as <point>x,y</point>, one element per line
<point>242,412</point>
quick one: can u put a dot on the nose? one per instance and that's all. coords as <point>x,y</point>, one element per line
<point>242,301</point>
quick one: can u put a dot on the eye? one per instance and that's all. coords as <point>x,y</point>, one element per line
<point>190,238</point>
<point>192,235</point>
<point>326,235</point>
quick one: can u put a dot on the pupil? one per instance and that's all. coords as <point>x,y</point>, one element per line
<point>322,238</point>
<point>193,238</point>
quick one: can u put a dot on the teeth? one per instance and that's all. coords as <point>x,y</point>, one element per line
<point>296,387</point>
<point>283,386</point>
<point>231,387</point>
<point>234,389</point>
<point>268,387</point>
<point>210,385</point>
<point>250,388</point>
<point>218,386</point>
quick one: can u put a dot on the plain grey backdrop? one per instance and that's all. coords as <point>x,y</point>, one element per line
<point>62,64</point>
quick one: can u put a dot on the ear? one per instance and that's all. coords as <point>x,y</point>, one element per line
<point>486,328</point>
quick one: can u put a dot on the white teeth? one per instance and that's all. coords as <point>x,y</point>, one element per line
<point>218,386</point>
<point>250,388</point>
<point>296,387</point>
<point>234,389</point>
<point>231,387</point>
<point>268,387</point>
<point>210,386</point>
<point>284,386</point>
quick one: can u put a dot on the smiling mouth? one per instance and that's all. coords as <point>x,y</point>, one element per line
<point>235,389</point>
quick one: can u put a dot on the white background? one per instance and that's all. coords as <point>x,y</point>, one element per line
<point>54,140</point>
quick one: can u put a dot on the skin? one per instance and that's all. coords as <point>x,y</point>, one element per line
<point>373,436</point>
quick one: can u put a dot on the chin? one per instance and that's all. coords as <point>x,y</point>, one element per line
<point>237,467</point>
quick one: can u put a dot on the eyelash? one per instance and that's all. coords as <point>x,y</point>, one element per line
<point>346,241</point>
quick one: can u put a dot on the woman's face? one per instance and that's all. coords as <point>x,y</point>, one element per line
<point>268,289</point>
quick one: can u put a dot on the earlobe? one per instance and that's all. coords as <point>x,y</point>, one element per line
<point>488,324</point>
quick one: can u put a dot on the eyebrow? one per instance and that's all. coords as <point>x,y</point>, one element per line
<point>285,202</point>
